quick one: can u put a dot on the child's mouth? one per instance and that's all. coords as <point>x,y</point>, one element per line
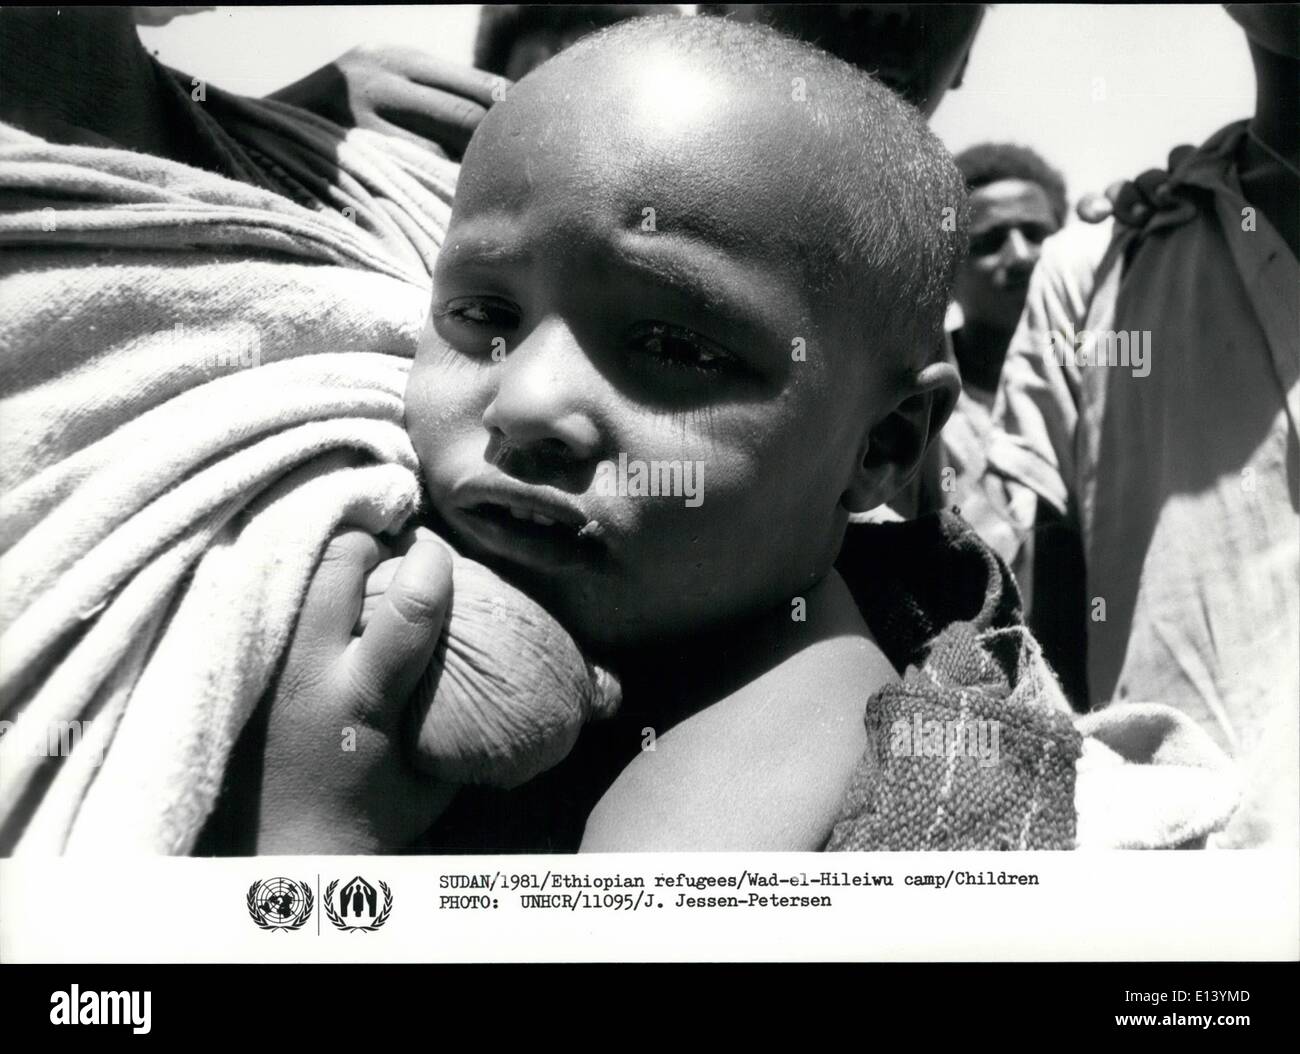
<point>526,536</point>
<point>528,521</point>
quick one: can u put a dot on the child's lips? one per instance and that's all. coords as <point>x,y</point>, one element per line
<point>529,542</point>
<point>527,526</point>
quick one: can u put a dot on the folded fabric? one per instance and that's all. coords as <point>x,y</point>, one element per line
<point>1151,778</point>
<point>976,747</point>
<point>200,380</point>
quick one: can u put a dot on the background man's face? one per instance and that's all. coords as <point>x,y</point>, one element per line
<point>1009,220</point>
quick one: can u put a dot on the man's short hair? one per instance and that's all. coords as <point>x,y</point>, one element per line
<point>911,39</point>
<point>987,163</point>
<point>501,25</point>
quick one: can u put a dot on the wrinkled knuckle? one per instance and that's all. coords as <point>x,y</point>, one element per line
<point>415,606</point>
<point>467,113</point>
<point>296,683</point>
<point>365,698</point>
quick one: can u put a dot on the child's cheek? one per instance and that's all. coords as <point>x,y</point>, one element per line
<point>444,421</point>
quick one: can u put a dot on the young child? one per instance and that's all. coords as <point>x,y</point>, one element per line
<point>690,243</point>
<point>673,244</point>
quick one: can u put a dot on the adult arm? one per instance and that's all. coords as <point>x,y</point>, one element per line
<point>325,765</point>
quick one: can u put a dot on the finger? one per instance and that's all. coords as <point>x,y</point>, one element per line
<point>386,662</point>
<point>334,595</point>
<point>402,544</point>
<point>377,584</point>
<point>453,77</point>
<point>1094,208</point>
<point>381,576</point>
<point>378,581</point>
<point>368,608</point>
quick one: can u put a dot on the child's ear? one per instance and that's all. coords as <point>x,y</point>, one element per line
<point>895,447</point>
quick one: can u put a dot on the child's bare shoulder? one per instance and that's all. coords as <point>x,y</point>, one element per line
<point>767,765</point>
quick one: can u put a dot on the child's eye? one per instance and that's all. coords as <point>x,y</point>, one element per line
<point>679,348</point>
<point>486,311</point>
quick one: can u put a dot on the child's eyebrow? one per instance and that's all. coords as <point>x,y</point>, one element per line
<point>726,282</point>
<point>486,250</point>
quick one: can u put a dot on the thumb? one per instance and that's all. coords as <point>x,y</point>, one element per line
<point>387,661</point>
<point>1095,208</point>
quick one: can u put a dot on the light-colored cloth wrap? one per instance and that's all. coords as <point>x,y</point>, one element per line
<point>200,380</point>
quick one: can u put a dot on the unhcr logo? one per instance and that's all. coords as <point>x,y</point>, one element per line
<point>357,906</point>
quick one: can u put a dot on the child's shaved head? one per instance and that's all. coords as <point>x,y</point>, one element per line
<point>893,200</point>
<point>689,251</point>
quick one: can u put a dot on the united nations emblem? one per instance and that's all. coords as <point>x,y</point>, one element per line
<point>356,907</point>
<point>280,903</point>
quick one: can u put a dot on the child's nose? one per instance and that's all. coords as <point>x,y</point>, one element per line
<point>543,394</point>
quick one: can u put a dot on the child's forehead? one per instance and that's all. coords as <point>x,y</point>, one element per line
<point>655,96</point>
<point>671,145</point>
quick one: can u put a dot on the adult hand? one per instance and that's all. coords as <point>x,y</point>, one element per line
<point>1132,202</point>
<point>336,773</point>
<point>402,92</point>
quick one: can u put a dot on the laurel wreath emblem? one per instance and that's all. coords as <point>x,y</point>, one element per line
<point>380,919</point>
<point>255,911</point>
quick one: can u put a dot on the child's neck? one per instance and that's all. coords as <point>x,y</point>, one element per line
<point>671,679</point>
<point>981,350</point>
